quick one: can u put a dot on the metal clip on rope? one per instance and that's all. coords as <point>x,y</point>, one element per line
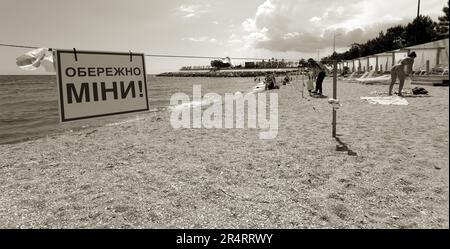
<point>75,54</point>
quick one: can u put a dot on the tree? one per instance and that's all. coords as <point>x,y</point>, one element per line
<point>219,64</point>
<point>302,62</point>
<point>394,38</point>
<point>442,27</point>
<point>421,30</point>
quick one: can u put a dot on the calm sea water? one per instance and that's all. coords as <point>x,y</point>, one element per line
<point>29,103</point>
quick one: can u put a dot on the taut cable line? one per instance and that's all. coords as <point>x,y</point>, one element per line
<point>162,55</point>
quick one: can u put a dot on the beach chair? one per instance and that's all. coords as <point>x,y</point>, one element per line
<point>351,77</point>
<point>383,79</point>
<point>363,76</point>
<point>371,73</point>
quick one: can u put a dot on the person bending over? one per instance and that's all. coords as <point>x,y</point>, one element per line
<point>398,71</point>
<point>318,73</point>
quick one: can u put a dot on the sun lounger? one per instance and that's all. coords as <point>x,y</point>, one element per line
<point>354,79</point>
<point>363,76</point>
<point>383,79</point>
<point>371,73</point>
<point>351,77</point>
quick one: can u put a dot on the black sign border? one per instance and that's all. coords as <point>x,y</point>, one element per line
<point>60,90</point>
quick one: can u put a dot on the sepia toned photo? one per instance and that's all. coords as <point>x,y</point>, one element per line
<point>195,114</point>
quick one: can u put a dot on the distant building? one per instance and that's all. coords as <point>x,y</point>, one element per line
<point>250,65</point>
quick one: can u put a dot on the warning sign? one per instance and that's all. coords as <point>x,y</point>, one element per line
<point>95,84</point>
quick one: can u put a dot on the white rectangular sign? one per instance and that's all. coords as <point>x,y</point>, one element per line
<point>96,84</point>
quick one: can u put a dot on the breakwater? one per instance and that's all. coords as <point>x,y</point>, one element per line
<point>225,73</point>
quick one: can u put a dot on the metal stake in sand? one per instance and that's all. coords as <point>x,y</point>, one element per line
<point>334,96</point>
<point>303,84</point>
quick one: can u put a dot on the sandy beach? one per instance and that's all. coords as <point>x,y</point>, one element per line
<point>145,174</point>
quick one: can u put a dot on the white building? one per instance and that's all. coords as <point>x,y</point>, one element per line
<point>429,55</point>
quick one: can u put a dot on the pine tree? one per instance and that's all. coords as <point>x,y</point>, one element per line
<point>442,27</point>
<point>421,30</point>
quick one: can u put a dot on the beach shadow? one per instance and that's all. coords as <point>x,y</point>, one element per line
<point>319,96</point>
<point>343,146</point>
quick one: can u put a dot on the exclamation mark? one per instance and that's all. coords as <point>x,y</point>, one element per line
<point>141,94</point>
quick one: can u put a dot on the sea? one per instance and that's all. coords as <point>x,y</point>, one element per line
<point>29,103</point>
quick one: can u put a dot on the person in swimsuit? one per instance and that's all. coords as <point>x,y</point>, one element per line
<point>398,71</point>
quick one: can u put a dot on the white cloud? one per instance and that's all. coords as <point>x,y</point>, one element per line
<point>266,8</point>
<point>254,38</point>
<point>189,11</point>
<point>290,35</point>
<point>235,41</point>
<point>249,25</point>
<point>314,19</point>
<point>200,39</point>
<point>305,26</point>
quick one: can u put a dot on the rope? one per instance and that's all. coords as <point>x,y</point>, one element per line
<point>16,46</point>
<point>162,55</point>
<point>200,57</point>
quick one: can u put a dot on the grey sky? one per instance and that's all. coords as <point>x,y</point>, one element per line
<point>250,28</point>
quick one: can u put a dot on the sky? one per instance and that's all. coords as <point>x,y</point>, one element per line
<point>289,29</point>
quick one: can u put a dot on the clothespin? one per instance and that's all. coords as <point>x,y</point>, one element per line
<point>75,54</point>
<point>131,56</point>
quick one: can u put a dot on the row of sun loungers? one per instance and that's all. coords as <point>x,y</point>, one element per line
<point>419,78</point>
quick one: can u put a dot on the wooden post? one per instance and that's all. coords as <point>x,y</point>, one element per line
<point>376,64</point>
<point>368,64</point>
<point>393,58</point>
<point>438,55</point>
<point>334,96</point>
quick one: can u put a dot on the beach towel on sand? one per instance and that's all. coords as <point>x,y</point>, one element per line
<point>386,100</point>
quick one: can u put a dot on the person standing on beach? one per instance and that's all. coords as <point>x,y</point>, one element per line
<point>286,79</point>
<point>319,81</point>
<point>270,81</point>
<point>398,71</point>
<point>318,74</point>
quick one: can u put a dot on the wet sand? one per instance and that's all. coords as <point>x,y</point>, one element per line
<point>145,174</point>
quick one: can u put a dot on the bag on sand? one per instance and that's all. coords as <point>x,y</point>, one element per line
<point>419,91</point>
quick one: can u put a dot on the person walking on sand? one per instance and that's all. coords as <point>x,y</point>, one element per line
<point>398,71</point>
